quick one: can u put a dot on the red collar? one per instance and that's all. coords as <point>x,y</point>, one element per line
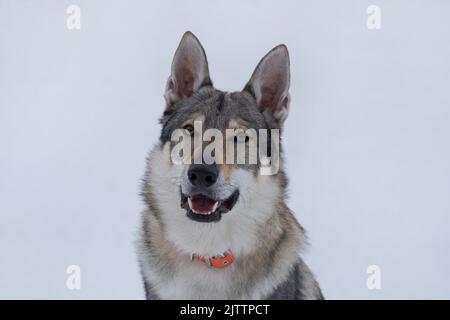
<point>219,261</point>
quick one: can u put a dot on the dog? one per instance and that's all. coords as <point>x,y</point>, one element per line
<point>220,230</point>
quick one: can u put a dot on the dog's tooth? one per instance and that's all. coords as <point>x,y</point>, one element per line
<point>215,206</point>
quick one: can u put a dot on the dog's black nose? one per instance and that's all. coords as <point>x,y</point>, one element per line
<point>203,175</point>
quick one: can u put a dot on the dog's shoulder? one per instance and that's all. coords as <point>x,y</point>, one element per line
<point>299,285</point>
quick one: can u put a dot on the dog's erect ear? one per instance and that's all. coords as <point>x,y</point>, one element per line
<point>269,85</point>
<point>189,70</point>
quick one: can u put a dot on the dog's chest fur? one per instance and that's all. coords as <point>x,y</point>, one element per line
<point>276,274</point>
<point>194,280</point>
<point>171,274</point>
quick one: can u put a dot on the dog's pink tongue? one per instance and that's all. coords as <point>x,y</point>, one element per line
<point>203,204</point>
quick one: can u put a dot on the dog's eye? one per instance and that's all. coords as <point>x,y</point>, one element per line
<point>189,128</point>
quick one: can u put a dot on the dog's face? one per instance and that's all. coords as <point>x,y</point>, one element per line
<point>209,191</point>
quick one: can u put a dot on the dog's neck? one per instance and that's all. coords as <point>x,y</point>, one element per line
<point>218,261</point>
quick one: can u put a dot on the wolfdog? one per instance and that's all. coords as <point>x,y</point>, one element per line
<point>215,230</point>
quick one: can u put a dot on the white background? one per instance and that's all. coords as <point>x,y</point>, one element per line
<point>367,140</point>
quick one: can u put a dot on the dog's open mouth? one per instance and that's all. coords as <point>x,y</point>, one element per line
<point>201,208</point>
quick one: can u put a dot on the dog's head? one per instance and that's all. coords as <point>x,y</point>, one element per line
<point>200,120</point>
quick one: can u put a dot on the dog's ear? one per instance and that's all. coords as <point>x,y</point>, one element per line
<point>269,85</point>
<point>189,70</point>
